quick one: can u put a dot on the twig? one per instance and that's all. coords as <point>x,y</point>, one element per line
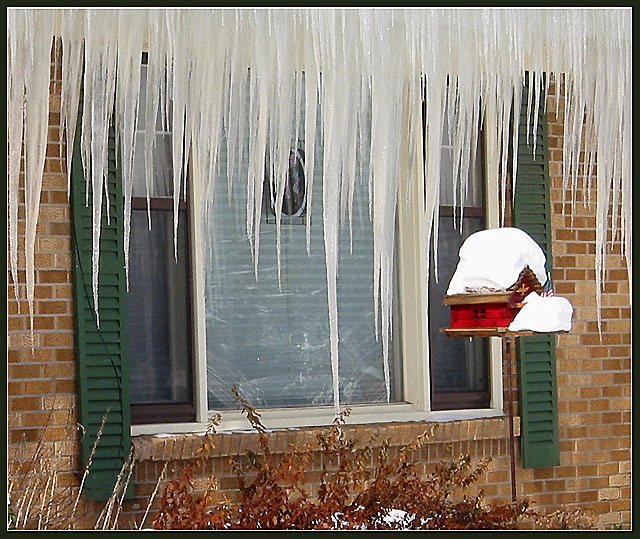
<point>252,414</point>
<point>114,495</point>
<point>153,494</point>
<point>90,461</point>
<point>40,444</point>
<point>42,502</point>
<point>26,512</point>
<point>106,511</point>
<point>51,496</point>
<point>22,499</point>
<point>53,486</point>
<point>23,515</point>
<point>124,490</point>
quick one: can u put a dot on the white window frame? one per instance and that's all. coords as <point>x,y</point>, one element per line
<point>414,332</point>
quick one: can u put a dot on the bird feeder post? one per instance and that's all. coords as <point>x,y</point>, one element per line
<point>508,339</point>
<point>508,348</point>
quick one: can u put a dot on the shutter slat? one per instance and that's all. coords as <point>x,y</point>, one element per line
<point>101,352</point>
<point>542,439</point>
<point>536,355</point>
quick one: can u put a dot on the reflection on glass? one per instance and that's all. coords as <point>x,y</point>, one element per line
<point>272,338</point>
<point>457,364</point>
<point>157,311</point>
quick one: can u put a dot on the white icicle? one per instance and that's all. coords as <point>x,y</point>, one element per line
<point>238,64</point>
<point>387,117</point>
<point>131,26</point>
<point>36,117</point>
<point>259,115</point>
<point>72,34</point>
<point>311,81</point>
<point>15,120</point>
<point>208,96</point>
<point>179,32</point>
<point>157,59</point>
<point>435,92</point>
<point>284,106</point>
<point>99,84</point>
<point>331,191</point>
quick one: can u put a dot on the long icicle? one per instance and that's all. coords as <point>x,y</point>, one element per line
<point>131,25</point>
<point>15,122</point>
<point>99,82</point>
<point>331,194</point>
<point>36,115</point>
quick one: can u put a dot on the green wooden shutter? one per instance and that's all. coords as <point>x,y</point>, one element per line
<point>537,354</point>
<point>103,380</point>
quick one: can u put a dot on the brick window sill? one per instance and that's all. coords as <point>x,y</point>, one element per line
<point>167,447</point>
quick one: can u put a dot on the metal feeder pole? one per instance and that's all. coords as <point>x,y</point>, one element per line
<point>507,351</point>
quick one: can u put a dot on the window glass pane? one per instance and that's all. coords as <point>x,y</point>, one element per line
<point>158,299</point>
<point>474,188</point>
<point>273,341</point>
<point>459,367</point>
<point>158,311</point>
<point>162,180</point>
<point>457,364</point>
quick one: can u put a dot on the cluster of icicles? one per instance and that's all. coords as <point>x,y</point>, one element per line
<point>367,74</point>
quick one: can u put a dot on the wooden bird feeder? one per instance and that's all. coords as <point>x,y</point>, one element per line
<point>489,314</point>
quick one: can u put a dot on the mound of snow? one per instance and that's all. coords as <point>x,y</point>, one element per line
<point>491,260</point>
<point>398,516</point>
<point>543,314</point>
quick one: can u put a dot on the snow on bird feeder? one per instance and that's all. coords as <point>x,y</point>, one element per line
<point>543,315</point>
<point>492,261</point>
<point>497,271</point>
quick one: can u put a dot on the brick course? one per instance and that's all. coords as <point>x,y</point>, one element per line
<point>593,368</point>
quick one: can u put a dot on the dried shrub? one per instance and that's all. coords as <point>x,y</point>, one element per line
<point>353,492</point>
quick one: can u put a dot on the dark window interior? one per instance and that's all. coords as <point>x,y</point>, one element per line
<point>459,367</point>
<point>159,316</point>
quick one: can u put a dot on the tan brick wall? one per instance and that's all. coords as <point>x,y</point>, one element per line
<point>40,366</point>
<point>594,378</point>
<point>594,372</point>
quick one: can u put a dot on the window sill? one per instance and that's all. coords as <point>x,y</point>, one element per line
<point>285,418</point>
<point>400,423</point>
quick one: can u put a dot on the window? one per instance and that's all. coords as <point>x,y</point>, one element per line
<point>459,367</point>
<point>270,335</point>
<point>159,296</point>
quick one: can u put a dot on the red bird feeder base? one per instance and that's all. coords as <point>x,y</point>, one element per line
<point>493,311</point>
